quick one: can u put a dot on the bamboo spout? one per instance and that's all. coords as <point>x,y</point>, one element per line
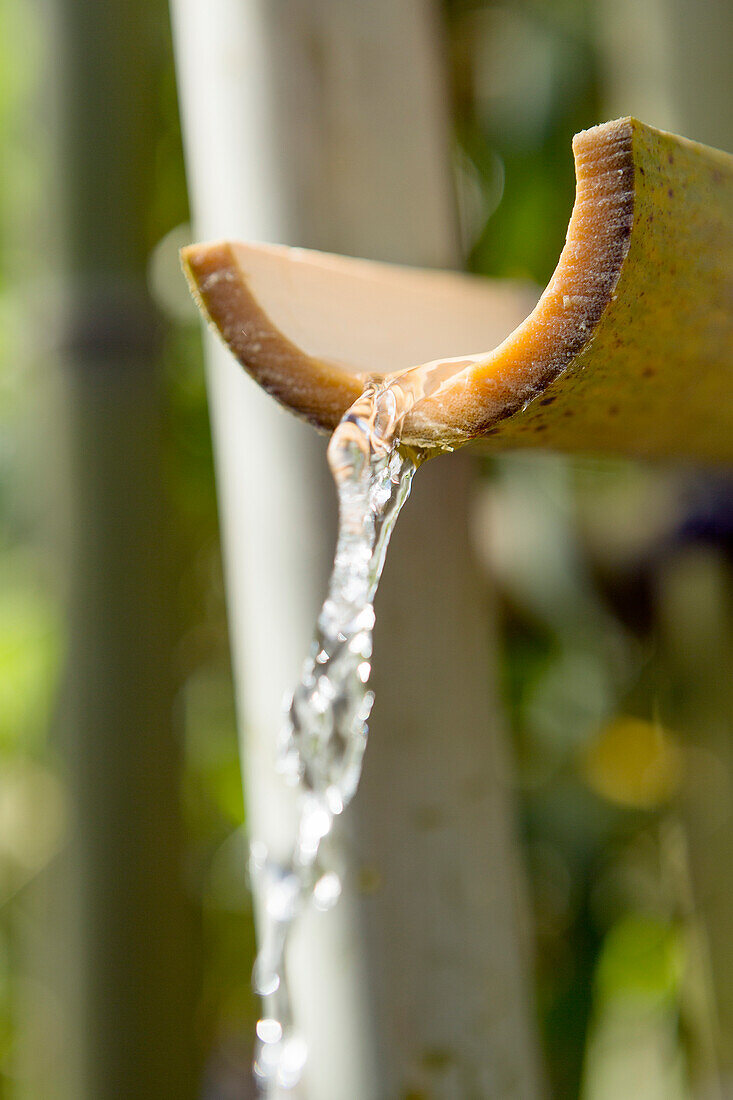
<point>629,349</point>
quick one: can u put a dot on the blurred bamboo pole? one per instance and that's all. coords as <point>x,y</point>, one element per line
<point>116,926</point>
<point>695,602</point>
<point>669,62</point>
<point>325,125</point>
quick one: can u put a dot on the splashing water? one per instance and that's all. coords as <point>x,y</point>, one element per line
<point>325,731</point>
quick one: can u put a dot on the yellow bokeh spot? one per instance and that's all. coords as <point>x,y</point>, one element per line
<point>633,762</point>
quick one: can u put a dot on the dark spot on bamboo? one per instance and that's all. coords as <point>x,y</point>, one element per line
<point>438,1059</point>
<point>648,372</point>
<point>427,818</point>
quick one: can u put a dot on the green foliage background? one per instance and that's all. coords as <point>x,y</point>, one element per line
<point>597,587</point>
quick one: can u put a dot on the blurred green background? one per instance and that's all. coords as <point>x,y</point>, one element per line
<point>614,578</point>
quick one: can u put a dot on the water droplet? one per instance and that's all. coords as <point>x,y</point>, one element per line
<point>363,671</point>
<point>366,706</point>
<point>327,891</point>
<point>267,1061</point>
<point>282,896</point>
<point>293,1057</point>
<point>265,980</point>
<point>269,1030</point>
<point>257,856</point>
<point>315,823</point>
<point>334,800</point>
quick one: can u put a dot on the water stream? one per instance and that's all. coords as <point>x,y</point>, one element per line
<point>324,734</point>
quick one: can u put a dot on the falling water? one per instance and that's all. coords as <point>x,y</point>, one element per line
<point>325,730</point>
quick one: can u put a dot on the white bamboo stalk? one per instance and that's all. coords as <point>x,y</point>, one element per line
<point>323,124</point>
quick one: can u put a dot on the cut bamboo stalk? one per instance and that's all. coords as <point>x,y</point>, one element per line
<point>629,350</point>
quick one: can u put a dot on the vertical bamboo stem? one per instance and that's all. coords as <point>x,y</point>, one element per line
<point>324,125</point>
<point>668,61</point>
<point>120,926</point>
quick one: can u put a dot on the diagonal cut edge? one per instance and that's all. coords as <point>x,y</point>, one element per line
<point>653,216</point>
